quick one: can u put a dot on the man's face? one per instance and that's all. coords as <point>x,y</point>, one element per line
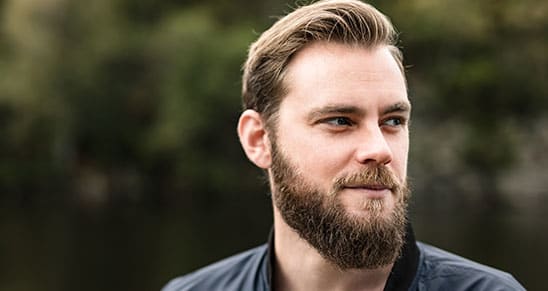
<point>339,150</point>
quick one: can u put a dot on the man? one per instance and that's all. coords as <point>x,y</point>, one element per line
<point>326,116</point>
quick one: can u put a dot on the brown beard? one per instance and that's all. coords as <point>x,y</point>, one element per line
<point>347,241</point>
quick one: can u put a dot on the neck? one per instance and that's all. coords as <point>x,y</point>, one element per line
<point>298,266</point>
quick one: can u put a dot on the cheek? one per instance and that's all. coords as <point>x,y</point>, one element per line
<point>327,163</point>
<point>315,157</point>
<point>400,151</point>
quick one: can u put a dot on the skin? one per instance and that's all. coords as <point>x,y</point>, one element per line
<point>346,107</point>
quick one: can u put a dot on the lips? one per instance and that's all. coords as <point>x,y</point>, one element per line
<point>369,187</point>
<point>374,191</point>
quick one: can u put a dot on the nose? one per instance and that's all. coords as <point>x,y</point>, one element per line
<point>374,148</point>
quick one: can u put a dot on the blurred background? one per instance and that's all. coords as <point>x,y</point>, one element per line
<point>119,162</point>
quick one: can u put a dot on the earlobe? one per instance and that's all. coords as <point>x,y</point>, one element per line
<point>254,138</point>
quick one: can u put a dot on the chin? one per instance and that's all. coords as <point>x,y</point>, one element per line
<point>378,208</point>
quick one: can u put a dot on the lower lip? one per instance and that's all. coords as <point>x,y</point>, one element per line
<point>371,193</point>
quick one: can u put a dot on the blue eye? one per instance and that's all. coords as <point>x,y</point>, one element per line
<point>339,121</point>
<point>395,121</point>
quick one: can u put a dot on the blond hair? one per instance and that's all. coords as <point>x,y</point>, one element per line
<point>344,21</point>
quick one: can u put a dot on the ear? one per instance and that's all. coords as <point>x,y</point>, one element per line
<point>254,139</point>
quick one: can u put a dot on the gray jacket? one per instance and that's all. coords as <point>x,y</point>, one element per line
<point>420,267</point>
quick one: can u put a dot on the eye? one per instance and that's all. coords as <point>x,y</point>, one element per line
<point>338,121</point>
<point>394,121</point>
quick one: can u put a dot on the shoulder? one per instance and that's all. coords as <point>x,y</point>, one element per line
<point>238,272</point>
<point>441,270</point>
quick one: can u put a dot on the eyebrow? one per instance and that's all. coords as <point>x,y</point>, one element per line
<point>397,107</point>
<point>316,113</point>
<point>333,110</point>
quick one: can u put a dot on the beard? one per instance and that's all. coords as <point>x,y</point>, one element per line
<point>347,241</point>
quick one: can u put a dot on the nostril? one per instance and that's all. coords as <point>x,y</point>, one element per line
<point>382,158</point>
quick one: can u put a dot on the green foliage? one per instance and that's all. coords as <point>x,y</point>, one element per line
<point>113,94</point>
<point>478,63</point>
<point>108,107</point>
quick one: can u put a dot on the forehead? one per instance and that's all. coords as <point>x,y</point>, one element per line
<point>333,72</point>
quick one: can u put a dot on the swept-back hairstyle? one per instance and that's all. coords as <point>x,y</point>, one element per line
<point>343,21</point>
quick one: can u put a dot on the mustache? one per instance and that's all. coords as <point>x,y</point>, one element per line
<point>372,175</point>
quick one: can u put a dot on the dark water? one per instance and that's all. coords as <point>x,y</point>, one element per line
<point>133,247</point>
